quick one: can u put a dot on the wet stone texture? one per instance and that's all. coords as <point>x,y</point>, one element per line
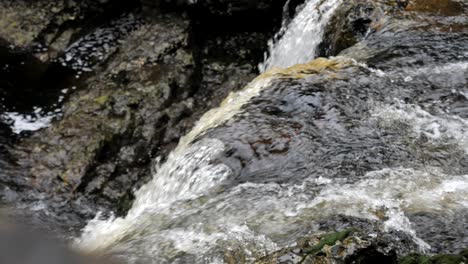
<point>310,120</point>
<point>320,118</point>
<point>347,246</point>
<point>144,79</point>
<point>357,241</point>
<point>48,27</point>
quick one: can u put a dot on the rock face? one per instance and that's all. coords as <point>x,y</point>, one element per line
<point>353,246</point>
<point>223,7</point>
<point>345,116</point>
<point>148,89</point>
<point>325,117</point>
<point>49,27</point>
<point>348,246</point>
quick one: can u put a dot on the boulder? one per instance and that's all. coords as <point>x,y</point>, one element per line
<point>131,108</point>
<point>48,28</point>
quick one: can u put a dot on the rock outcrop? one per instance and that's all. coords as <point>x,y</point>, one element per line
<point>342,116</point>
<point>161,69</point>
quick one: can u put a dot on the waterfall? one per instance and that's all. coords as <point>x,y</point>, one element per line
<point>297,41</point>
<point>187,214</point>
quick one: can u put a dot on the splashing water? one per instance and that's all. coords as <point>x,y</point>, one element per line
<point>188,214</point>
<point>449,129</point>
<point>20,122</point>
<point>297,42</point>
<point>185,214</point>
<point>187,174</point>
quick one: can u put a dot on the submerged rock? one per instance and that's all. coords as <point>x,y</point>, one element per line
<point>347,246</point>
<point>384,122</point>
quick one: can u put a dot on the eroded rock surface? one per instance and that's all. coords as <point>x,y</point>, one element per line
<point>389,108</point>
<point>148,89</point>
<point>49,27</point>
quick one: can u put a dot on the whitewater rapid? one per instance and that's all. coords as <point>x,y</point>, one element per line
<point>186,212</point>
<point>297,41</point>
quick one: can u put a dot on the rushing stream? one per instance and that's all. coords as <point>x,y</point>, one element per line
<point>297,41</point>
<point>357,152</point>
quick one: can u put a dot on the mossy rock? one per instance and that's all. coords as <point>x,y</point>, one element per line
<point>329,240</point>
<point>416,258</point>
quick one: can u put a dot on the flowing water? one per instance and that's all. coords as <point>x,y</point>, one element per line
<point>297,41</point>
<point>197,207</point>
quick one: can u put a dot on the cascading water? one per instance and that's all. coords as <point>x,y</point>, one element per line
<point>297,41</point>
<point>194,212</point>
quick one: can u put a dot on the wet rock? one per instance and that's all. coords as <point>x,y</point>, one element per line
<point>415,28</point>
<point>48,28</point>
<point>133,107</point>
<point>440,8</point>
<point>319,118</point>
<point>415,258</point>
<point>346,246</point>
<point>323,118</point>
<point>222,7</point>
<point>119,107</point>
<point>351,23</point>
<point>446,233</point>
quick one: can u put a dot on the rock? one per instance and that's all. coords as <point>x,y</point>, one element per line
<point>221,7</point>
<point>120,106</point>
<point>415,258</point>
<point>133,107</point>
<point>319,119</point>
<point>346,246</point>
<point>48,28</point>
<point>415,27</point>
<point>315,119</point>
<point>351,23</point>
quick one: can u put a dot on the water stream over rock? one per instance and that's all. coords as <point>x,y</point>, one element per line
<point>374,138</point>
<point>297,41</point>
<point>298,147</point>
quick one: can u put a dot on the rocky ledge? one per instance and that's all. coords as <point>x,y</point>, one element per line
<point>160,72</point>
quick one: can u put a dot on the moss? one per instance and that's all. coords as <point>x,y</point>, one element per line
<point>102,99</point>
<point>416,258</point>
<point>447,259</point>
<point>464,253</point>
<point>329,239</point>
<point>304,70</point>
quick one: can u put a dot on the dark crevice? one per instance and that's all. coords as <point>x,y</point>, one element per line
<point>371,255</point>
<point>346,28</point>
<point>27,83</point>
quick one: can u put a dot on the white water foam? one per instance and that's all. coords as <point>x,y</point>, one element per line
<point>297,41</point>
<point>21,122</point>
<point>254,215</point>
<point>448,128</point>
<point>186,211</point>
<point>187,174</point>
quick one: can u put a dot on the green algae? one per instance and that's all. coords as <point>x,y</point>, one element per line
<point>329,240</point>
<point>416,258</point>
